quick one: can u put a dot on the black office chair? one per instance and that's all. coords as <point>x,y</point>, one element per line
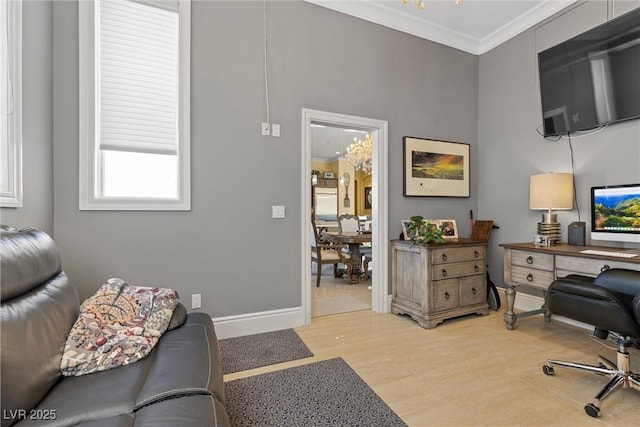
<point>610,302</point>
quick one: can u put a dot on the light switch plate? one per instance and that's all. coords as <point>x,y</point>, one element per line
<point>277,211</point>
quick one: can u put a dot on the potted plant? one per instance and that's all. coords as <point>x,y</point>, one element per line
<point>421,231</point>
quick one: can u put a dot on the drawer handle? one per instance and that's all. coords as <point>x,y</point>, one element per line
<point>444,257</point>
<point>473,291</point>
<point>444,272</point>
<point>476,268</point>
<point>446,295</point>
<point>476,253</point>
<point>529,259</point>
<point>530,277</point>
<point>605,267</point>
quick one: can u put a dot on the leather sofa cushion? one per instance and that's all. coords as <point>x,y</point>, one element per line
<point>29,258</point>
<point>39,305</point>
<point>34,331</point>
<point>184,363</point>
<point>188,411</point>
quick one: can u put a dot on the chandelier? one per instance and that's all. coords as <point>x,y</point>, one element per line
<point>420,3</point>
<point>359,154</point>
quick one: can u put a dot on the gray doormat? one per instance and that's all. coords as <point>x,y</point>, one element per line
<point>327,393</point>
<point>269,348</point>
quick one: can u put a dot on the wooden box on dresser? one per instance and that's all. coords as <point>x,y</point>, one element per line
<point>536,267</point>
<point>438,281</point>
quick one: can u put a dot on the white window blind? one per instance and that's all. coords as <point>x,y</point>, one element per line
<point>138,76</point>
<point>11,103</point>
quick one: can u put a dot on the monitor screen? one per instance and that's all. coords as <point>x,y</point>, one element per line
<point>615,213</point>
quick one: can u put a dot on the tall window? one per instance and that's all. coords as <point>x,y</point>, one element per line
<point>134,104</point>
<point>10,103</point>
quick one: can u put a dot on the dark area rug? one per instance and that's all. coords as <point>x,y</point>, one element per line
<point>253,351</point>
<point>327,393</point>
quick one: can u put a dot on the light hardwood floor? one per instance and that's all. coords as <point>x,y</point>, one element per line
<point>470,371</point>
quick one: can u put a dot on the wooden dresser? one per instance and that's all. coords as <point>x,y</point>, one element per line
<point>438,281</point>
<point>529,265</point>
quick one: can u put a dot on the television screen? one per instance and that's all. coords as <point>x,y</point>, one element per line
<point>615,213</point>
<point>592,79</point>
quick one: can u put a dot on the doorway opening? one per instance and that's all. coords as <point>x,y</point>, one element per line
<point>378,130</point>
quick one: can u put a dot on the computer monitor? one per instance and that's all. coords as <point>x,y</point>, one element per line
<point>615,213</point>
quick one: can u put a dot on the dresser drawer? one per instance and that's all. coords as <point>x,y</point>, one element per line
<point>532,259</point>
<point>532,277</point>
<point>588,266</point>
<point>472,290</point>
<point>458,269</point>
<point>448,255</point>
<point>445,294</point>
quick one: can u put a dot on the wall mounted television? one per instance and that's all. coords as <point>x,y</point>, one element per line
<point>592,79</point>
<point>615,213</point>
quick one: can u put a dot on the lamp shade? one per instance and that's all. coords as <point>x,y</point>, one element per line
<point>551,191</point>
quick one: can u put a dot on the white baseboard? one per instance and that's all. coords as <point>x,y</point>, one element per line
<point>275,320</point>
<point>256,323</point>
<point>528,302</point>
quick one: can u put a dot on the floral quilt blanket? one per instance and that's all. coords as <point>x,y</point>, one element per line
<point>117,326</point>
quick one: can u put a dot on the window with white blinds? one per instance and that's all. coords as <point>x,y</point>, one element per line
<point>10,104</point>
<point>138,77</point>
<point>134,112</point>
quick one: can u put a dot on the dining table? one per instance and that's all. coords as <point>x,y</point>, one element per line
<point>352,240</point>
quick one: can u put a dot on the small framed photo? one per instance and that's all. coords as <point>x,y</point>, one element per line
<point>450,228</point>
<point>435,168</point>
<point>541,240</point>
<point>405,228</point>
<point>329,175</point>
<point>367,197</point>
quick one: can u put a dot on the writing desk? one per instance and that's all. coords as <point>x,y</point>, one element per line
<point>533,266</point>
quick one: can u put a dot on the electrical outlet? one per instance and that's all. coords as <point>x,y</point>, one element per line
<point>196,300</point>
<point>275,130</point>
<point>266,129</point>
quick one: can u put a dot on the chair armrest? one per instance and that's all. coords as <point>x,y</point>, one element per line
<point>620,281</point>
<point>583,289</point>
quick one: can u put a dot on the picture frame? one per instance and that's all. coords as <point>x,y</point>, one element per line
<point>328,175</point>
<point>435,168</point>
<point>367,197</point>
<point>405,227</point>
<point>451,227</point>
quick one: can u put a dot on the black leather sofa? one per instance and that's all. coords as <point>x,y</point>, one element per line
<point>178,384</point>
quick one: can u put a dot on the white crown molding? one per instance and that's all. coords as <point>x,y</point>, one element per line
<point>523,22</point>
<point>381,14</point>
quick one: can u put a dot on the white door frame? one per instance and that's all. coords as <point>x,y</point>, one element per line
<point>379,204</point>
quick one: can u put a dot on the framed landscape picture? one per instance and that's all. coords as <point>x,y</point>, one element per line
<point>435,168</point>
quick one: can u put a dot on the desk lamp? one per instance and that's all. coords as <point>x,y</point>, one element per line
<point>549,192</point>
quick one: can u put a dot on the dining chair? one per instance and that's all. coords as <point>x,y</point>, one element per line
<point>348,223</point>
<point>351,223</point>
<point>326,253</point>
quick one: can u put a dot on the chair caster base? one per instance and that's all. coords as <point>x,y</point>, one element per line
<point>592,410</point>
<point>548,370</point>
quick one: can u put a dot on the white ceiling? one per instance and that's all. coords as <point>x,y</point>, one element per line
<point>329,142</point>
<point>474,26</point>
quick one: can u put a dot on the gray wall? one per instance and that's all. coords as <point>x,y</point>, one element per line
<point>228,248</point>
<point>37,125</point>
<point>512,150</point>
